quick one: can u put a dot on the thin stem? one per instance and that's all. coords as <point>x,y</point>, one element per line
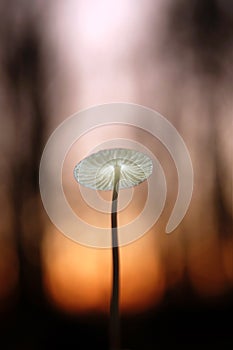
<point>114,307</point>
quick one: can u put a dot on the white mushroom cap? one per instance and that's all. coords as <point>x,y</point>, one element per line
<point>97,170</point>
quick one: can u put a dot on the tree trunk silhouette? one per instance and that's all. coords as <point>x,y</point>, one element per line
<point>24,78</point>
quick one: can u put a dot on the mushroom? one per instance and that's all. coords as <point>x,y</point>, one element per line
<point>114,169</point>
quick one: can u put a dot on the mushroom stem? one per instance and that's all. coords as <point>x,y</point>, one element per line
<point>114,307</point>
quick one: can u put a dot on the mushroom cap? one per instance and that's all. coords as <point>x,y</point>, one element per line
<point>97,170</point>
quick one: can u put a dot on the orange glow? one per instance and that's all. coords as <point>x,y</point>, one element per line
<point>78,278</point>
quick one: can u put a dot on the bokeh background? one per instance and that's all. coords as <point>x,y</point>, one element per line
<point>58,57</point>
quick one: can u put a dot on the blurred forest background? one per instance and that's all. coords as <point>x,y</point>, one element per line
<point>58,57</point>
